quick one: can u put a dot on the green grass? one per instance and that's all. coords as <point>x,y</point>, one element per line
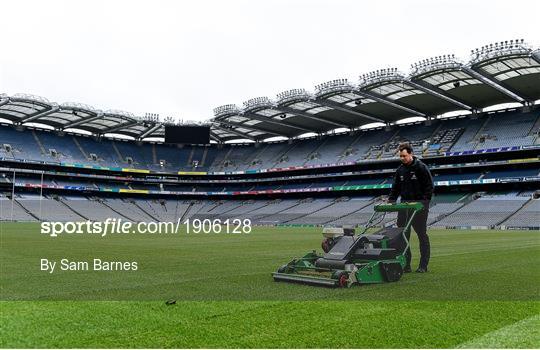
<point>482,287</point>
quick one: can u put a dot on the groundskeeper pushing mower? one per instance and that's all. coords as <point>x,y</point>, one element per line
<point>413,182</point>
<point>350,259</point>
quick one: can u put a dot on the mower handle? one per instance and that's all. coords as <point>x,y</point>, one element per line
<point>415,206</point>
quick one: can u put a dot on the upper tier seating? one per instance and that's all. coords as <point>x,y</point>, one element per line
<point>511,128</point>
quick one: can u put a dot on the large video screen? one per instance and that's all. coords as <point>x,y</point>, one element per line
<point>187,134</point>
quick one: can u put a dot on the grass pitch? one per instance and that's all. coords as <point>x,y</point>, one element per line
<point>482,290</point>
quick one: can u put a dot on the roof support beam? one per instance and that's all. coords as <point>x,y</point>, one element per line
<point>536,56</point>
<point>148,131</point>
<point>310,116</point>
<point>337,106</point>
<point>440,94</point>
<point>214,137</point>
<point>119,127</point>
<point>253,127</point>
<point>389,102</point>
<point>238,133</point>
<point>4,102</point>
<point>82,121</point>
<point>37,115</point>
<point>276,122</point>
<point>494,84</point>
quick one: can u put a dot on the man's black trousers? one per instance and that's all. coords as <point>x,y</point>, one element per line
<point>419,225</point>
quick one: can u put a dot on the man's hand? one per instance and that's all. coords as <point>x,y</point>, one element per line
<point>387,200</point>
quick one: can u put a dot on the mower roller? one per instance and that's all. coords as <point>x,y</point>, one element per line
<point>350,259</point>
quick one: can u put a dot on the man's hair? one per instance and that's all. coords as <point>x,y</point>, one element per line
<point>405,146</point>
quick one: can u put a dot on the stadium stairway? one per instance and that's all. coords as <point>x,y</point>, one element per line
<point>254,157</point>
<point>154,154</point>
<point>262,207</point>
<point>214,205</point>
<point>350,148</point>
<point>26,209</point>
<point>387,144</point>
<point>281,156</point>
<point>241,212</point>
<point>455,140</point>
<point>481,130</point>
<point>361,215</point>
<point>368,203</point>
<point>61,200</point>
<point>437,129</point>
<point>104,202</point>
<point>193,208</point>
<point>232,208</point>
<point>220,163</point>
<point>117,151</point>
<point>509,217</point>
<point>203,159</point>
<point>144,210</point>
<point>466,199</point>
<point>257,155</point>
<point>310,213</point>
<point>315,151</point>
<point>190,157</point>
<point>40,145</point>
<point>79,147</point>
<point>186,213</point>
<point>221,210</point>
<point>179,209</point>
<point>51,209</point>
<point>147,205</point>
<point>535,129</point>
<point>265,216</point>
<point>535,132</point>
<point>527,216</point>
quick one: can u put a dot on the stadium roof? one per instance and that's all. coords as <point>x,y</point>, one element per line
<point>497,73</point>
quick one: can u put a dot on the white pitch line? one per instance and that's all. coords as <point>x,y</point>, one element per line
<point>511,336</point>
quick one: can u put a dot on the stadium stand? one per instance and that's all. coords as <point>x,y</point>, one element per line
<point>458,210</point>
<point>102,164</point>
<point>488,211</point>
<point>528,216</point>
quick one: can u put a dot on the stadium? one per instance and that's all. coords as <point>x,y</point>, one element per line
<point>291,164</point>
<point>485,164</point>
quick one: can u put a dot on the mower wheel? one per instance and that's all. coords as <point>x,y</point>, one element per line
<point>342,278</point>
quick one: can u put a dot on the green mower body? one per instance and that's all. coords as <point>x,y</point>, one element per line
<point>350,259</point>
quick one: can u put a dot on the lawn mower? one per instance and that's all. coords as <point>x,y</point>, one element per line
<point>351,258</point>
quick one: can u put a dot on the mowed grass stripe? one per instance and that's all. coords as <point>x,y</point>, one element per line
<point>522,334</point>
<point>311,324</point>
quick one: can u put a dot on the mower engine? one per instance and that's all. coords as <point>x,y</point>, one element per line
<point>332,235</point>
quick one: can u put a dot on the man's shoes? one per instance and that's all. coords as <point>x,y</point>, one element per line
<point>421,270</point>
<point>407,269</point>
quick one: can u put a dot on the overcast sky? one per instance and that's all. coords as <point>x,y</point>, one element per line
<point>183,58</point>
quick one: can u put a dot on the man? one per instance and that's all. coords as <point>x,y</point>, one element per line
<point>413,182</point>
